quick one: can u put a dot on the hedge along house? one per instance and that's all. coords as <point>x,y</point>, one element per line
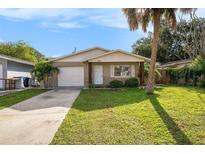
<point>97,66</point>
<point>11,67</point>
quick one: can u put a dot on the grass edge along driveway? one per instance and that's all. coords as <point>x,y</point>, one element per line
<point>17,97</point>
<point>173,115</point>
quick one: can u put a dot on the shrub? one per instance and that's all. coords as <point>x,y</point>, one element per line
<point>116,84</point>
<point>43,69</point>
<point>132,82</point>
<point>189,72</point>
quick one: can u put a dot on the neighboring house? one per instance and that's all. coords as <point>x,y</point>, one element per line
<point>176,64</point>
<point>165,78</point>
<point>97,66</point>
<point>13,67</point>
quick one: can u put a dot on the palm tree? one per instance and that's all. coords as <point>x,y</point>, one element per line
<point>143,17</point>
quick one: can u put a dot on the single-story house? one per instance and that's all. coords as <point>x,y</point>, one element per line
<point>11,67</point>
<point>97,66</point>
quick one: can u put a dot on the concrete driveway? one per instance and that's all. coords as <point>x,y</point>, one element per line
<point>36,120</point>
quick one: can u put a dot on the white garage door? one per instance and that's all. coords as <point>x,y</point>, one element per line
<point>1,76</point>
<point>71,76</point>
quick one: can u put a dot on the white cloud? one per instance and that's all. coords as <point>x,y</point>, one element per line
<point>108,17</point>
<point>55,19</point>
<point>56,26</point>
<point>28,14</point>
<point>68,18</point>
<point>109,21</point>
<point>70,25</point>
<point>58,55</point>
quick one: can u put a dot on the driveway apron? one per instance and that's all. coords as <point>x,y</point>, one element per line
<point>36,120</point>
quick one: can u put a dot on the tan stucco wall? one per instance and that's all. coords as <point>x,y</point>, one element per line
<point>68,64</point>
<point>107,71</point>
<point>86,74</point>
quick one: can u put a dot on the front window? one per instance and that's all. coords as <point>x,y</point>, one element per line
<point>122,71</point>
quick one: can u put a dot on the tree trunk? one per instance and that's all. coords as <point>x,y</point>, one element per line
<point>44,83</point>
<point>151,75</point>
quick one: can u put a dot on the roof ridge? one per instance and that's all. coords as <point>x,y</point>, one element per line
<point>80,51</point>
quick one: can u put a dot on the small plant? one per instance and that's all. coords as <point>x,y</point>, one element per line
<point>116,84</point>
<point>42,70</point>
<point>146,70</point>
<point>132,82</point>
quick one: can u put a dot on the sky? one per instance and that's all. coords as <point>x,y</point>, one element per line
<point>56,32</point>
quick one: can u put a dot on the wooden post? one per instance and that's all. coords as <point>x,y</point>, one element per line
<point>141,73</point>
<point>90,73</point>
<point>5,84</point>
<point>9,84</point>
<point>14,84</point>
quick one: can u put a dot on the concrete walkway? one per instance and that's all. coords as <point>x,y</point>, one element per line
<point>36,120</point>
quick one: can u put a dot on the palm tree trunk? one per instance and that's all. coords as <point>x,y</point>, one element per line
<point>151,75</point>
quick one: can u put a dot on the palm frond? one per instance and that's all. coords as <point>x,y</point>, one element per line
<point>146,17</point>
<point>142,16</point>
<point>186,10</point>
<point>170,17</point>
<point>132,19</point>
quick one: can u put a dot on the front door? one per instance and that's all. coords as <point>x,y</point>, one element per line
<point>98,74</point>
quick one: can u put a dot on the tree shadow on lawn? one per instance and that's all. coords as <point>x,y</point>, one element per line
<point>173,128</point>
<point>95,99</point>
<point>91,100</point>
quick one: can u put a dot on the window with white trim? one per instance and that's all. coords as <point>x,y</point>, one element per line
<point>121,71</point>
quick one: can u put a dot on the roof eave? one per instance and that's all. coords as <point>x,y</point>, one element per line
<point>111,52</point>
<point>78,52</point>
<point>16,60</point>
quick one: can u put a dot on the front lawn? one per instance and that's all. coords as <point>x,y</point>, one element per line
<point>13,98</point>
<point>173,115</point>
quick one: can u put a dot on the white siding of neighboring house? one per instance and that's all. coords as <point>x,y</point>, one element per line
<point>18,70</point>
<point>11,74</point>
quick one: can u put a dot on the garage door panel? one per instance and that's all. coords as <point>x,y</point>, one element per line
<point>71,76</point>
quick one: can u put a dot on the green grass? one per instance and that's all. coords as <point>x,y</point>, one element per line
<point>13,98</point>
<point>173,115</point>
